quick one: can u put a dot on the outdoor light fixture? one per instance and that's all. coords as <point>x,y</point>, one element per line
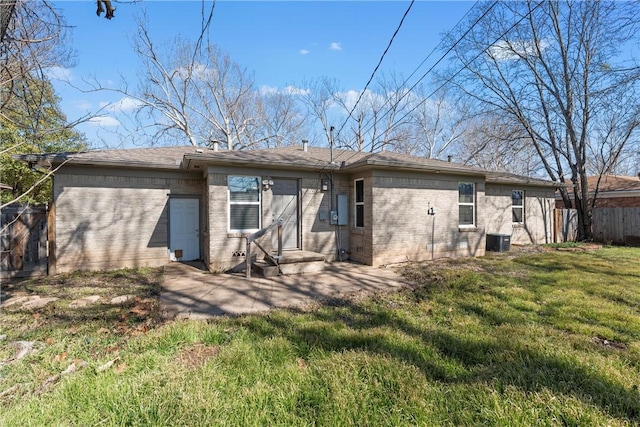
<point>267,183</point>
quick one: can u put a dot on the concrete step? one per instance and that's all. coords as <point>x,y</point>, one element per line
<point>302,267</point>
<point>265,269</point>
<point>292,262</point>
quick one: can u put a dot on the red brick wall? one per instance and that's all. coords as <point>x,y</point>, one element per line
<point>610,202</point>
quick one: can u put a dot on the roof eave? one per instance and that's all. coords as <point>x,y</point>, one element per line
<point>527,182</point>
<point>59,159</point>
<point>294,164</point>
<point>382,164</point>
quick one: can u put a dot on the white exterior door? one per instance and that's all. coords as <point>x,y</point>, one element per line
<point>184,229</point>
<point>284,204</point>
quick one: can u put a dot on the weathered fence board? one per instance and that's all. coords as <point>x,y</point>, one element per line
<point>23,241</point>
<point>566,225</point>
<point>610,225</point>
<point>617,225</point>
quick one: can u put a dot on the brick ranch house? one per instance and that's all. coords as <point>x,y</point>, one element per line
<point>144,207</point>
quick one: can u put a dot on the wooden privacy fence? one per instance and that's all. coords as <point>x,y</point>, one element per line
<point>609,225</point>
<point>617,225</point>
<point>565,226</point>
<point>23,241</point>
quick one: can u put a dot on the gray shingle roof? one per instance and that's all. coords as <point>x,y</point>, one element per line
<point>320,158</point>
<point>153,157</point>
<point>292,157</point>
<point>510,178</point>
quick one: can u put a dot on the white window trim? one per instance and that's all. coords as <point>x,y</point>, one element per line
<point>472,204</point>
<point>356,204</point>
<point>518,207</point>
<point>230,202</point>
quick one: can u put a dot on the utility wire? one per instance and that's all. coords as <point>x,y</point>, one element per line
<point>453,46</point>
<point>464,65</point>
<point>415,70</point>
<point>376,69</point>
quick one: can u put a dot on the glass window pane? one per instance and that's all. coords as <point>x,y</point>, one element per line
<point>244,217</point>
<point>517,197</point>
<point>359,215</point>
<point>465,191</point>
<point>466,215</point>
<point>517,214</point>
<point>244,188</point>
<point>359,191</point>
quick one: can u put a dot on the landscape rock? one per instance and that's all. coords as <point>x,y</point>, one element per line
<point>122,299</point>
<point>83,302</point>
<point>38,303</point>
<point>19,300</point>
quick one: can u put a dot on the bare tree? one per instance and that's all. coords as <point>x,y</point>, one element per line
<point>319,98</point>
<point>551,66</point>
<point>6,15</point>
<point>195,91</point>
<point>495,143</point>
<point>34,40</point>
<point>364,121</point>
<point>437,125</point>
<point>285,123</point>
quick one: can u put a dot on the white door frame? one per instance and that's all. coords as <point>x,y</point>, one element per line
<point>184,235</point>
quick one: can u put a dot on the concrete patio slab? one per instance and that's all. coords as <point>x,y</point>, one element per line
<point>194,293</point>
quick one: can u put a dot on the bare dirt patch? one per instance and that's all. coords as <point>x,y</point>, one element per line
<point>195,356</point>
<point>607,343</point>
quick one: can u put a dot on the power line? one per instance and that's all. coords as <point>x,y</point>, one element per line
<point>431,69</point>
<point>377,67</point>
<point>476,22</point>
<point>415,69</point>
<point>472,59</point>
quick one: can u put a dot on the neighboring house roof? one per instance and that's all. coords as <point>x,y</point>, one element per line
<point>612,186</point>
<point>292,157</point>
<point>614,183</point>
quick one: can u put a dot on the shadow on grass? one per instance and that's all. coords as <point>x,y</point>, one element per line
<point>483,359</point>
<point>144,284</point>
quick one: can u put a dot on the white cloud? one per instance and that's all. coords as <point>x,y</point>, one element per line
<point>287,90</point>
<point>197,71</point>
<point>268,90</point>
<point>292,90</point>
<point>104,121</point>
<point>369,98</point>
<point>336,46</point>
<point>122,105</point>
<point>304,52</point>
<point>83,105</point>
<point>59,73</point>
<point>513,49</point>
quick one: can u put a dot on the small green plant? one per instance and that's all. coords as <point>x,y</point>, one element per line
<point>565,245</point>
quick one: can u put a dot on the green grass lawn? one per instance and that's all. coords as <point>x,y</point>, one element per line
<point>540,339</point>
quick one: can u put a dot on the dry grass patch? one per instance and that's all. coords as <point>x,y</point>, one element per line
<point>197,355</point>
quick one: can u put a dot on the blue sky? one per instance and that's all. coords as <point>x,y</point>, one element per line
<point>282,42</point>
